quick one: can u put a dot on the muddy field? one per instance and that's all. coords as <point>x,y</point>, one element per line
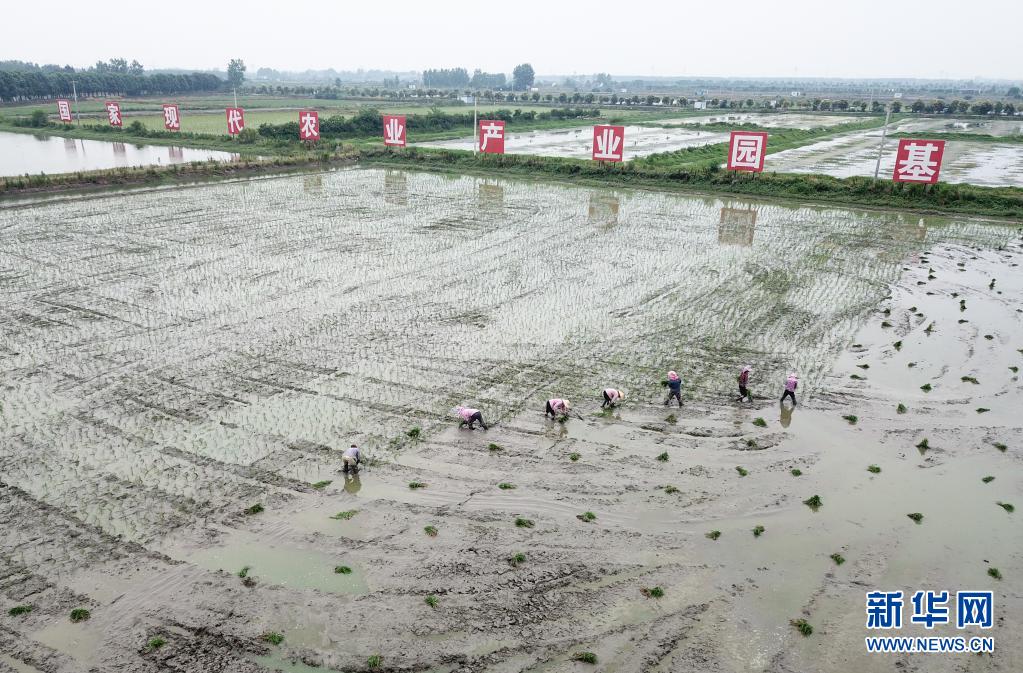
<point>172,358</point>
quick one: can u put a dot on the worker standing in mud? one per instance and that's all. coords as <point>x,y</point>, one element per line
<point>470,417</point>
<point>557,407</point>
<point>790,388</point>
<point>674,389</point>
<point>350,459</point>
<point>612,397</point>
<point>744,383</point>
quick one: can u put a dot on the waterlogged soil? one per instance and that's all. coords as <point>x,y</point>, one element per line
<point>793,120</point>
<point>577,143</point>
<point>170,359</point>
<point>988,164</point>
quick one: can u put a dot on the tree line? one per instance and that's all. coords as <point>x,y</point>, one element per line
<point>26,86</point>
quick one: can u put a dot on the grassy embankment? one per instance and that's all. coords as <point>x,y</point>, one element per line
<point>963,137</point>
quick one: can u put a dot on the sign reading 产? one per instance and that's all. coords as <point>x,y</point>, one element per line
<point>394,130</point>
<point>308,125</point>
<point>235,120</point>
<point>492,136</point>
<point>114,113</point>
<point>608,143</point>
<point>64,110</point>
<point>918,160</point>
<point>746,150</point>
<point>171,118</point>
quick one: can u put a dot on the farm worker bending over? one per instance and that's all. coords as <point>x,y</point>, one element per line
<point>612,397</point>
<point>674,389</point>
<point>744,382</point>
<point>350,459</point>
<point>557,407</point>
<point>790,388</point>
<point>469,417</point>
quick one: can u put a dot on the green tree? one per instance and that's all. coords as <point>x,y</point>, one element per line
<point>523,76</point>
<point>1013,92</point>
<point>236,72</point>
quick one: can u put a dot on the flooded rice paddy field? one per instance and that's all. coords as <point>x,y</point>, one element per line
<point>577,143</point>
<point>988,164</point>
<point>172,358</point>
<point>782,120</point>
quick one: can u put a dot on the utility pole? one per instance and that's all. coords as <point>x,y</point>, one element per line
<point>884,133</point>
<point>236,97</point>
<point>74,92</point>
<point>475,125</point>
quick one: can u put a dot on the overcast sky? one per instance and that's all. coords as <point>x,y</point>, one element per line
<point>805,38</point>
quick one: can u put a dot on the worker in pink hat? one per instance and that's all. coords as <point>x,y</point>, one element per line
<point>612,397</point>
<point>744,383</point>
<point>674,389</point>
<point>469,417</point>
<point>790,388</point>
<point>557,407</point>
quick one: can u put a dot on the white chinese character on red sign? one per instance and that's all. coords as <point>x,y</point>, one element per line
<point>746,151</point>
<point>394,130</point>
<point>918,160</point>
<point>308,125</point>
<point>64,109</point>
<point>235,120</point>
<point>114,113</point>
<point>171,120</point>
<point>608,143</point>
<point>492,137</point>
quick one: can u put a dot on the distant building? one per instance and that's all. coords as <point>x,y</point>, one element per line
<point>796,94</point>
<point>700,105</point>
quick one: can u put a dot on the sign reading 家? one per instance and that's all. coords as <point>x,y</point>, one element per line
<point>113,113</point>
<point>746,151</point>
<point>64,110</point>
<point>918,160</point>
<point>608,143</point>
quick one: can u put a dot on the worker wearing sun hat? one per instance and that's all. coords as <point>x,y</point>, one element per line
<point>611,397</point>
<point>557,407</point>
<point>790,388</point>
<point>674,384</point>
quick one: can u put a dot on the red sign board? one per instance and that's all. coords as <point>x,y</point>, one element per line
<point>918,160</point>
<point>235,120</point>
<point>64,110</point>
<point>113,112</point>
<point>394,130</point>
<point>608,143</point>
<point>492,136</point>
<point>746,150</point>
<point>308,125</point>
<point>171,118</point>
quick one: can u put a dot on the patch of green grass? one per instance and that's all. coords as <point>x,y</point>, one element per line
<point>322,484</point>
<point>244,572</point>
<point>574,457</point>
<point>885,323</point>
<point>1014,369</point>
<point>663,457</point>
<point>585,657</point>
<point>911,365</point>
<point>802,626</point>
<point>741,470</point>
<point>416,484</point>
<point>751,443</point>
<point>864,366</point>
<point>898,345</point>
<point>901,409</point>
<point>652,592</point>
<point>671,419</point>
<point>505,486</point>
<point>431,600</point>
<point>988,479</point>
<point>969,379</point>
<point>758,530</point>
<point>994,572</point>
<point>254,509</point>
<point>916,516</point>
<point>80,615</point>
<point>586,516</point>
<point>494,447</point>
<point>517,559</point>
<point>1007,506</point>
<point>155,643</point>
<point>923,444</point>
<point>414,433</point>
<point>430,530</point>
<point>982,410</point>
<point>962,320</point>
<point>19,610</point>
<point>930,328</point>
<point>669,489</point>
<point>857,377</point>
<point>524,523</point>
<point>374,661</point>
<point>875,469</point>
<point>838,559</point>
<point>989,337</point>
<point>342,570</point>
<point>796,472</point>
<point>926,387</point>
<point>1001,447</point>
<point>713,535</point>
<point>759,422</point>
<point>851,419</point>
<point>345,515</point>
<point>813,502</point>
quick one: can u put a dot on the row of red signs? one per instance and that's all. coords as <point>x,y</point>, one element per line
<point>916,160</point>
